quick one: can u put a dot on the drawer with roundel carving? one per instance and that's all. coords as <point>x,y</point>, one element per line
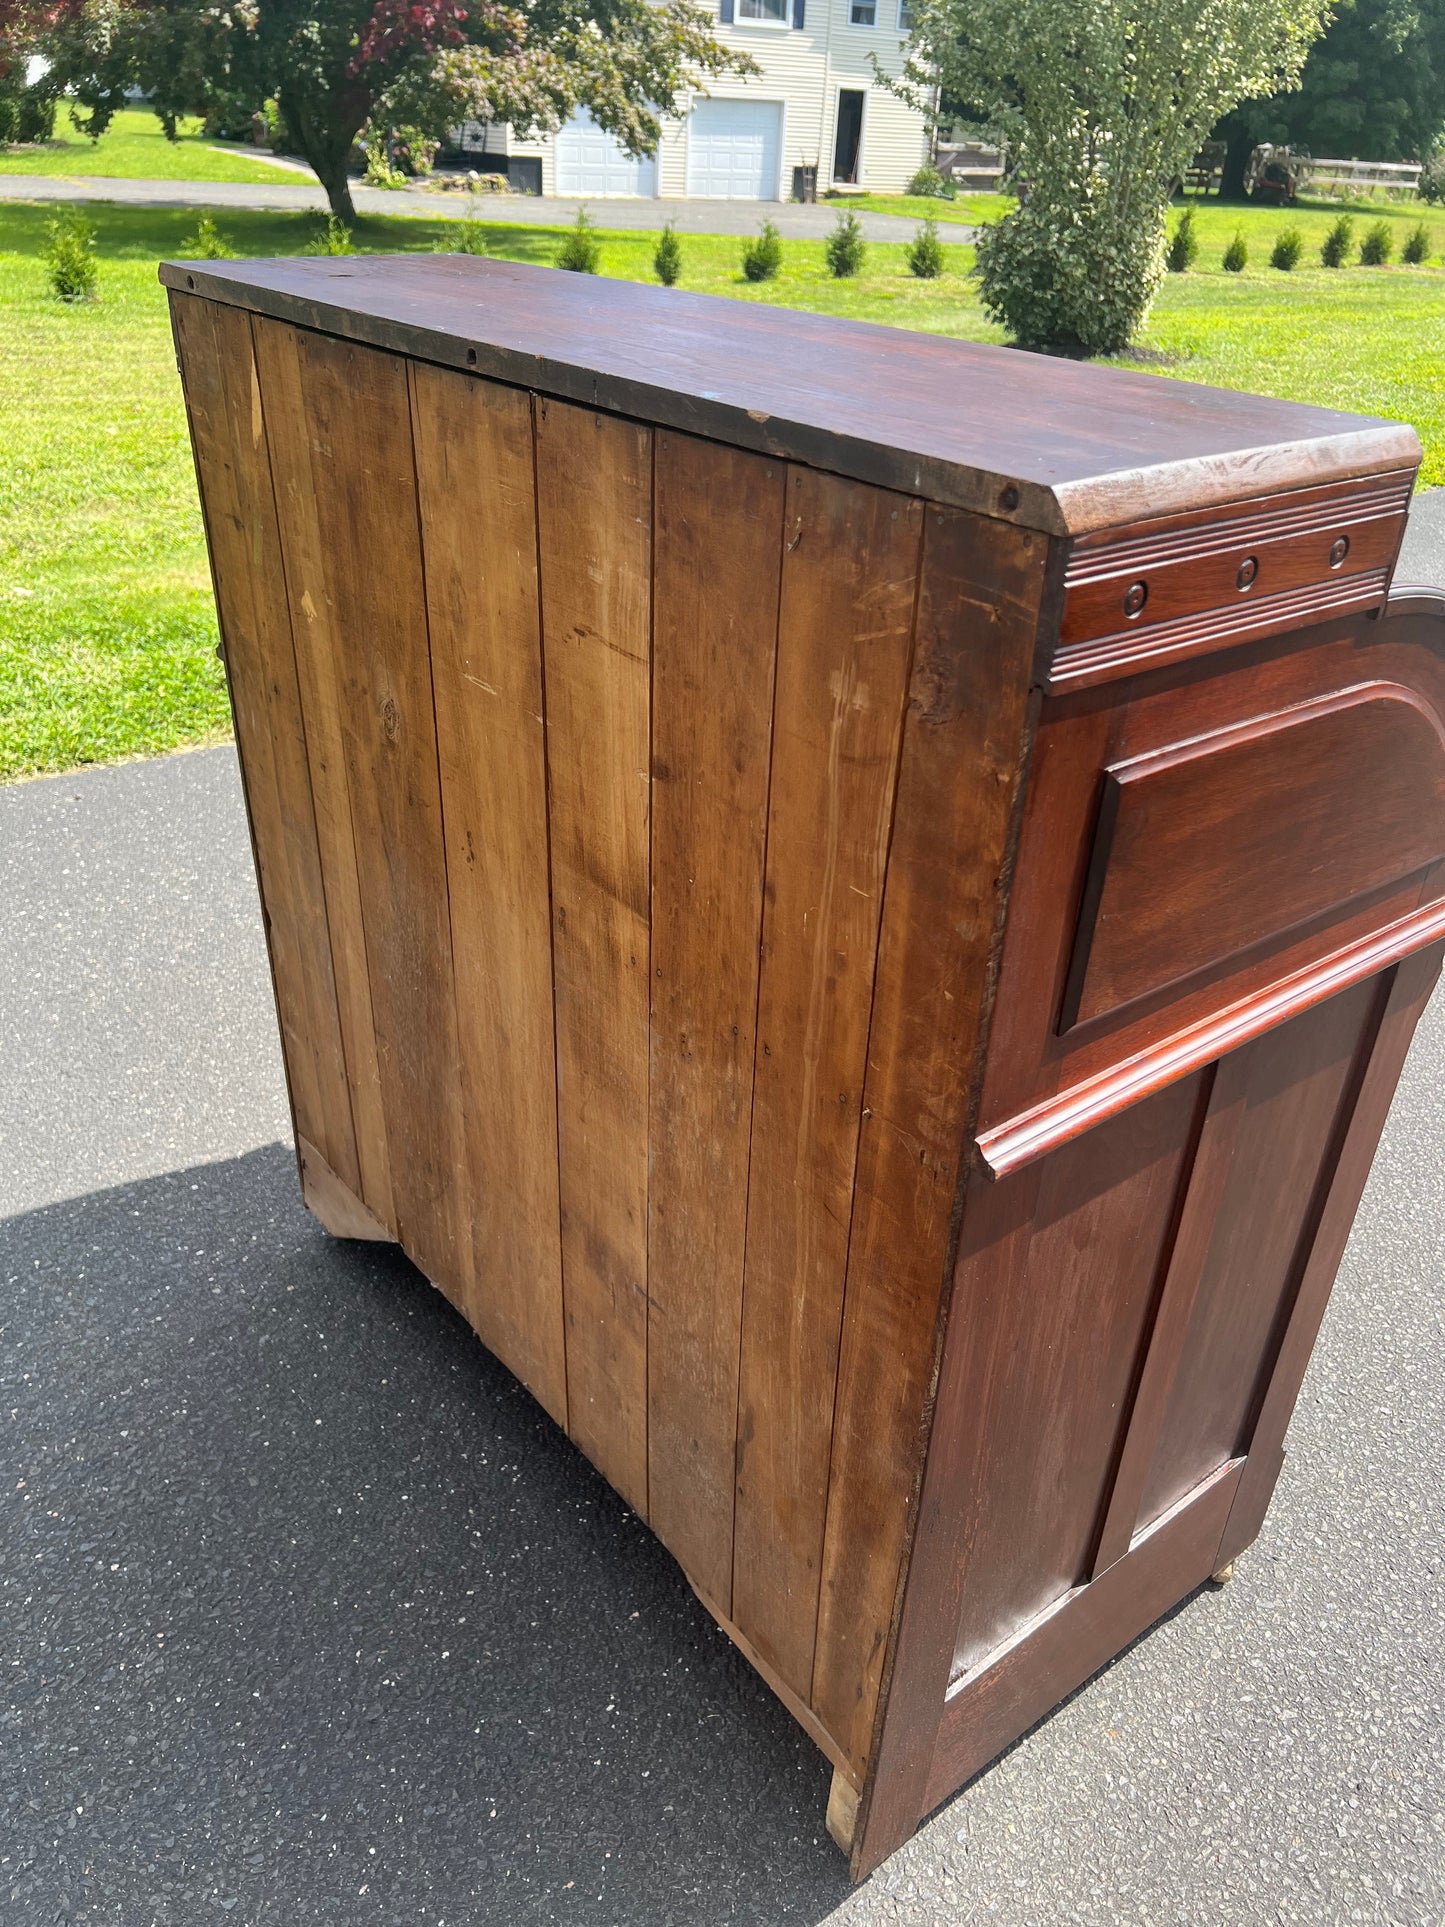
<point>1183,586</point>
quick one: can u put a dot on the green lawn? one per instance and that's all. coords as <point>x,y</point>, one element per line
<point>974,209</point>
<point>133,148</point>
<point>107,634</point>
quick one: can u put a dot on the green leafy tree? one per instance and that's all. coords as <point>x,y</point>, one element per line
<point>1103,103</point>
<point>1377,246</point>
<point>667,260</point>
<point>69,256</point>
<point>763,255</point>
<point>1336,247</point>
<point>845,247</point>
<point>1287,250</point>
<point>1183,244</point>
<point>1373,89</point>
<point>924,253</point>
<point>339,67</point>
<point>581,251</point>
<point>27,107</point>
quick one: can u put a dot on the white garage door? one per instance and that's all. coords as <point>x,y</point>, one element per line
<point>732,149</point>
<point>589,161</point>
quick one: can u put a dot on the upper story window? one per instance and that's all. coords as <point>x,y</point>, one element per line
<point>763,10</point>
<point>905,17</point>
<point>863,13</point>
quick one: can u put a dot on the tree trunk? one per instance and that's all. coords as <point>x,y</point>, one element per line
<point>333,177</point>
<point>325,149</point>
<point>1236,160</point>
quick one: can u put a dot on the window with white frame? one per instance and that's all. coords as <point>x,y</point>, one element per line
<point>763,10</point>
<point>905,17</point>
<point>863,13</point>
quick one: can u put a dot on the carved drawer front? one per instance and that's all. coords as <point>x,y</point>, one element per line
<point>1207,860</point>
<point>1180,587</point>
<point>1209,847</point>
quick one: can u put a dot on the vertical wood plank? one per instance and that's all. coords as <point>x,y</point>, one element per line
<point>316,644</point>
<point>482,604</point>
<point>980,593</point>
<point>719,517</point>
<point>845,631</point>
<point>594,517</point>
<point>214,344</point>
<point>349,447</point>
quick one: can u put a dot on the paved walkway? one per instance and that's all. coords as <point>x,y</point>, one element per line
<point>792,219</point>
<point>310,1616</point>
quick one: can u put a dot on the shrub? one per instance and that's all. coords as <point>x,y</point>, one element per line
<point>379,169</point>
<point>1377,246</point>
<point>411,150</point>
<point>334,238</point>
<point>69,256</point>
<point>924,252</point>
<point>1338,244</point>
<point>27,114</point>
<point>929,185</point>
<point>1183,250</point>
<point>845,247</point>
<point>1285,255</point>
<point>1432,180</point>
<point>667,261</point>
<point>1236,255</point>
<point>581,251</point>
<point>1066,284</point>
<point>763,255</point>
<point>463,237</point>
<point>1417,245</point>
<point>208,245</point>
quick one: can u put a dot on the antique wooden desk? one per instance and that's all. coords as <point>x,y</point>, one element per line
<point>856,902</point>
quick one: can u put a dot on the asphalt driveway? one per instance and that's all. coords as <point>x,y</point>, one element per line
<point>793,219</point>
<point>308,1614</point>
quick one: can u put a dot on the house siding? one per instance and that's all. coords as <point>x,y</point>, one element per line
<point>804,69</point>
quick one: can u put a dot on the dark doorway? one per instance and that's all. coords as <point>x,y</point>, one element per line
<point>850,135</point>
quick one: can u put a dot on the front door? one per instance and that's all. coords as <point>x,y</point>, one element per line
<point>849,140</point>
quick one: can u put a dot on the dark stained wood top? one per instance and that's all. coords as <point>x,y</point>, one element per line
<point>1084,447</point>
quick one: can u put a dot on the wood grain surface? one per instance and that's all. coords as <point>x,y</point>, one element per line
<point>845,634</point>
<point>1059,445</point>
<point>715,621</point>
<point>594,522</point>
<point>486,657</point>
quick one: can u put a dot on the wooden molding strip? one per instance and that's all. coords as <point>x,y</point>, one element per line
<point>1081,665</point>
<point>1034,1133</point>
<point>1341,507</point>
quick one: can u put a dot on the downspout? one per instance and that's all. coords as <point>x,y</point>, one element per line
<point>825,145</point>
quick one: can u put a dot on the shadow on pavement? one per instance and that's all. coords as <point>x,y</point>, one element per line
<point>311,1614</point>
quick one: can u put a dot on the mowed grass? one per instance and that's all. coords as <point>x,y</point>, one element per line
<point>133,148</point>
<point>107,633</point>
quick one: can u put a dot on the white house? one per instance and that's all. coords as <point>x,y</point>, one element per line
<point>816,103</point>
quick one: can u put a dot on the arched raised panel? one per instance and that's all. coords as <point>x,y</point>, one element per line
<point>1211,847</point>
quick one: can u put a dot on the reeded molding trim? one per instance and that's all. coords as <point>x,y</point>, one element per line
<point>1335,510</point>
<point>1080,665</point>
